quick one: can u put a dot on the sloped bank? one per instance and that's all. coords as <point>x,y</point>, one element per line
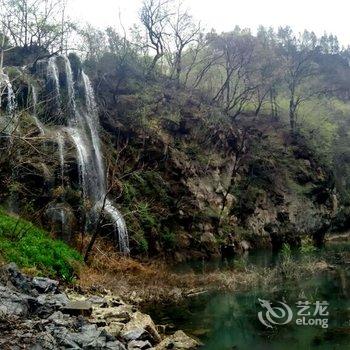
<point>36,314</point>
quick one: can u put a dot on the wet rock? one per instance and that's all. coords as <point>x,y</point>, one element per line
<point>178,341</point>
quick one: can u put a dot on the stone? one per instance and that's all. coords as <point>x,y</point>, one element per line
<point>141,327</point>
<point>121,313</point>
<point>96,300</point>
<point>245,245</point>
<point>45,285</point>
<point>178,341</point>
<point>48,303</point>
<point>76,308</point>
<point>12,275</point>
<point>136,334</point>
<point>45,341</point>
<point>139,345</point>
<point>114,328</point>
<point>115,345</point>
<point>13,303</point>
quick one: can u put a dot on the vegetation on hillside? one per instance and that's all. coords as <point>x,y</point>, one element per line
<point>31,247</point>
<point>206,135</point>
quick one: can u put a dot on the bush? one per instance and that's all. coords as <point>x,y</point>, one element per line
<point>29,246</point>
<point>169,239</point>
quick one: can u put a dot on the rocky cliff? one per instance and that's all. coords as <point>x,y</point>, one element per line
<point>190,181</point>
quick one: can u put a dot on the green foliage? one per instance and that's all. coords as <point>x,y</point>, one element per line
<point>286,251</point>
<point>129,192</point>
<point>142,243</point>
<point>240,264</point>
<point>29,246</point>
<point>169,239</point>
<point>145,216</point>
<point>307,248</point>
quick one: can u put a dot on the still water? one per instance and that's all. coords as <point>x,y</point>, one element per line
<point>227,321</point>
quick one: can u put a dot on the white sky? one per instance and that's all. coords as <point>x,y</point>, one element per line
<point>317,15</point>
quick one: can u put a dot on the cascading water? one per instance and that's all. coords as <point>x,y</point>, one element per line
<point>52,72</point>
<point>9,120</point>
<point>60,143</point>
<point>11,100</point>
<point>83,128</point>
<point>34,107</point>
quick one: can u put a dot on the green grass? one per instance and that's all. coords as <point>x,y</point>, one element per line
<point>31,247</point>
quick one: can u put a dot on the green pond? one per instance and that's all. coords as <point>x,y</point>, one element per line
<point>224,321</point>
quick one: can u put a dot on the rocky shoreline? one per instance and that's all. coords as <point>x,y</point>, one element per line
<point>36,314</point>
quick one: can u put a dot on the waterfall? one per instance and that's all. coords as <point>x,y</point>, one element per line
<point>34,106</point>
<point>60,143</point>
<point>83,126</point>
<point>11,99</point>
<point>52,72</point>
<point>70,84</point>
<point>8,123</point>
<point>119,227</point>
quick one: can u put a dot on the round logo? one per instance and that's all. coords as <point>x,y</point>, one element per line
<point>274,315</point>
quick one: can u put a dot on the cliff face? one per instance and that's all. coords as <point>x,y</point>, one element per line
<point>187,178</point>
<point>205,180</point>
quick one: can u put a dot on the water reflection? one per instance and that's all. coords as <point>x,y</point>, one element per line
<point>229,320</point>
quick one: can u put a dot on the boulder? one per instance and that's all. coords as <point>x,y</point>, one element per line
<point>139,345</point>
<point>13,303</point>
<point>11,276</point>
<point>48,303</point>
<point>244,245</point>
<point>45,285</point>
<point>76,308</point>
<point>121,314</point>
<point>45,341</point>
<point>178,341</point>
<point>141,327</point>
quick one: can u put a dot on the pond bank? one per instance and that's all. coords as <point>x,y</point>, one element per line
<point>36,314</point>
<point>228,319</point>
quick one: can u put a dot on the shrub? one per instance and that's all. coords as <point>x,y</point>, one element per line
<point>169,239</point>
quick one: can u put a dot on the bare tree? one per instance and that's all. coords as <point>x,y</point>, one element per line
<point>237,88</point>
<point>154,16</point>
<point>183,32</point>
<point>299,68</point>
<point>35,23</point>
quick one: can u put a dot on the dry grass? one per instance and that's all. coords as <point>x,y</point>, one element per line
<point>108,270</point>
<point>140,282</point>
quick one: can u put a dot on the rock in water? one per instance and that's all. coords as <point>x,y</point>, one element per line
<point>178,341</point>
